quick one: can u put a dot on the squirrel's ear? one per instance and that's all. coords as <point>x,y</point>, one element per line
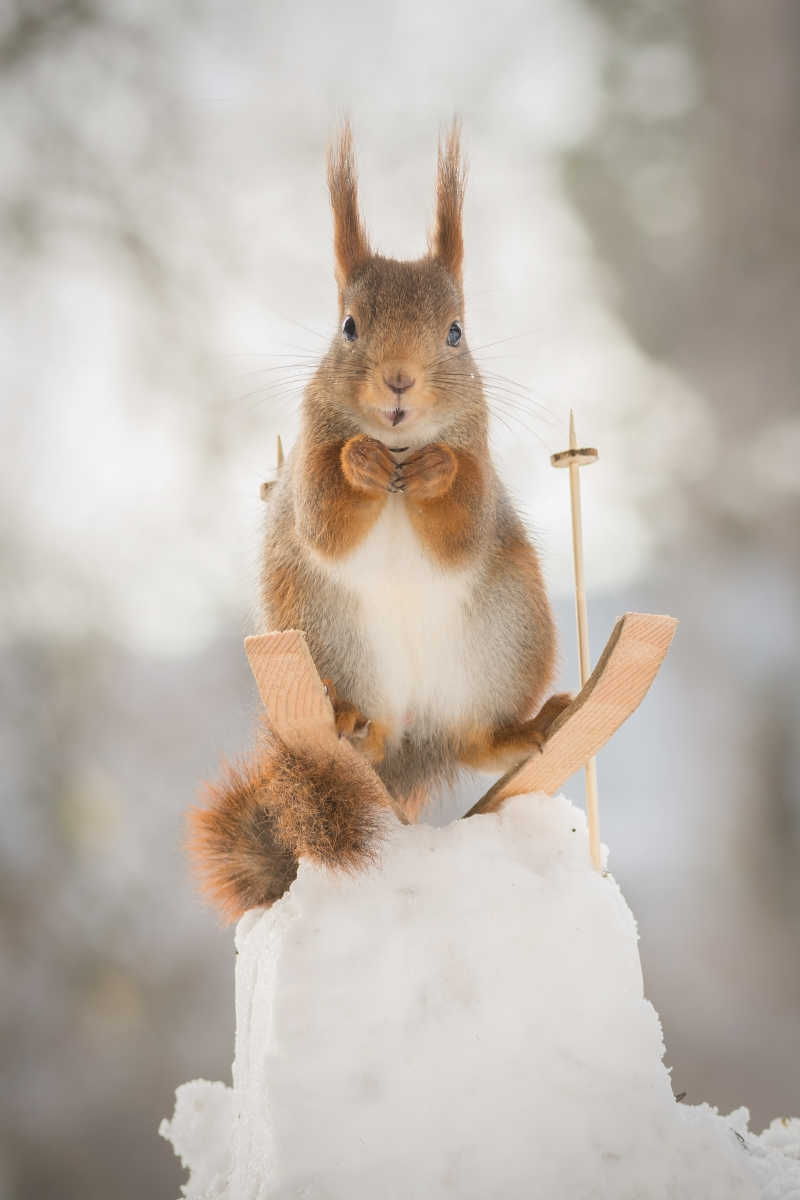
<point>349,238</point>
<point>447,243</point>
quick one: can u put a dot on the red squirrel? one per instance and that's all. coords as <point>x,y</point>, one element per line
<point>393,545</point>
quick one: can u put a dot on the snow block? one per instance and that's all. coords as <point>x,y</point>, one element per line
<point>467,1019</point>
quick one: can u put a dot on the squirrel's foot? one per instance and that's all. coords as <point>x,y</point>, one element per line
<point>365,735</point>
<point>503,747</point>
<point>533,734</point>
<point>551,709</point>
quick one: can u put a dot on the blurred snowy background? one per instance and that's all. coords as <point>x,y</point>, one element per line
<point>633,249</point>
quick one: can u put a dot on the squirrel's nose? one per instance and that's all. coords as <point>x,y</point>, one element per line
<point>398,381</point>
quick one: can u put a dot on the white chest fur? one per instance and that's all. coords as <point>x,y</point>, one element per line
<point>412,622</point>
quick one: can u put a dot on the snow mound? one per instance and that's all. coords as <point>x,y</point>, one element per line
<point>200,1134</point>
<point>465,1020</point>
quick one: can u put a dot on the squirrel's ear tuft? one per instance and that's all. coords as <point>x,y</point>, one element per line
<point>349,238</point>
<point>447,243</point>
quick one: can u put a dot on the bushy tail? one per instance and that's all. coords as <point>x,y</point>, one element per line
<point>265,813</point>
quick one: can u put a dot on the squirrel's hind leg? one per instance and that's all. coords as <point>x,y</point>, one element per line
<point>366,736</point>
<point>504,746</point>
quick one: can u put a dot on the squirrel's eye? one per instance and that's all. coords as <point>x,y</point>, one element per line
<point>349,329</point>
<point>454,334</point>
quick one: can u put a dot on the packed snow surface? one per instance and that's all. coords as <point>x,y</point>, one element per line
<point>467,1019</point>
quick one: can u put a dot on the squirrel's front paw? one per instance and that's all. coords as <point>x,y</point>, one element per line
<point>428,473</point>
<point>367,465</point>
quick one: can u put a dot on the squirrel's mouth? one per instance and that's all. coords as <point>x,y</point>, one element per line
<point>395,419</point>
<point>394,416</point>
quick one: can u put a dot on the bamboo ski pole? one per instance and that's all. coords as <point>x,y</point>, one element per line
<point>575,458</point>
<point>269,484</point>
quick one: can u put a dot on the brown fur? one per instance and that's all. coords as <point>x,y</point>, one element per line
<point>449,524</point>
<point>234,844</point>
<point>502,747</point>
<point>368,466</point>
<point>267,812</point>
<point>429,473</point>
<point>447,243</point>
<point>350,460</point>
<point>370,736</point>
<point>331,811</point>
<point>284,591</point>
<point>337,515</point>
<point>394,416</point>
<point>515,558</point>
<point>349,239</point>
